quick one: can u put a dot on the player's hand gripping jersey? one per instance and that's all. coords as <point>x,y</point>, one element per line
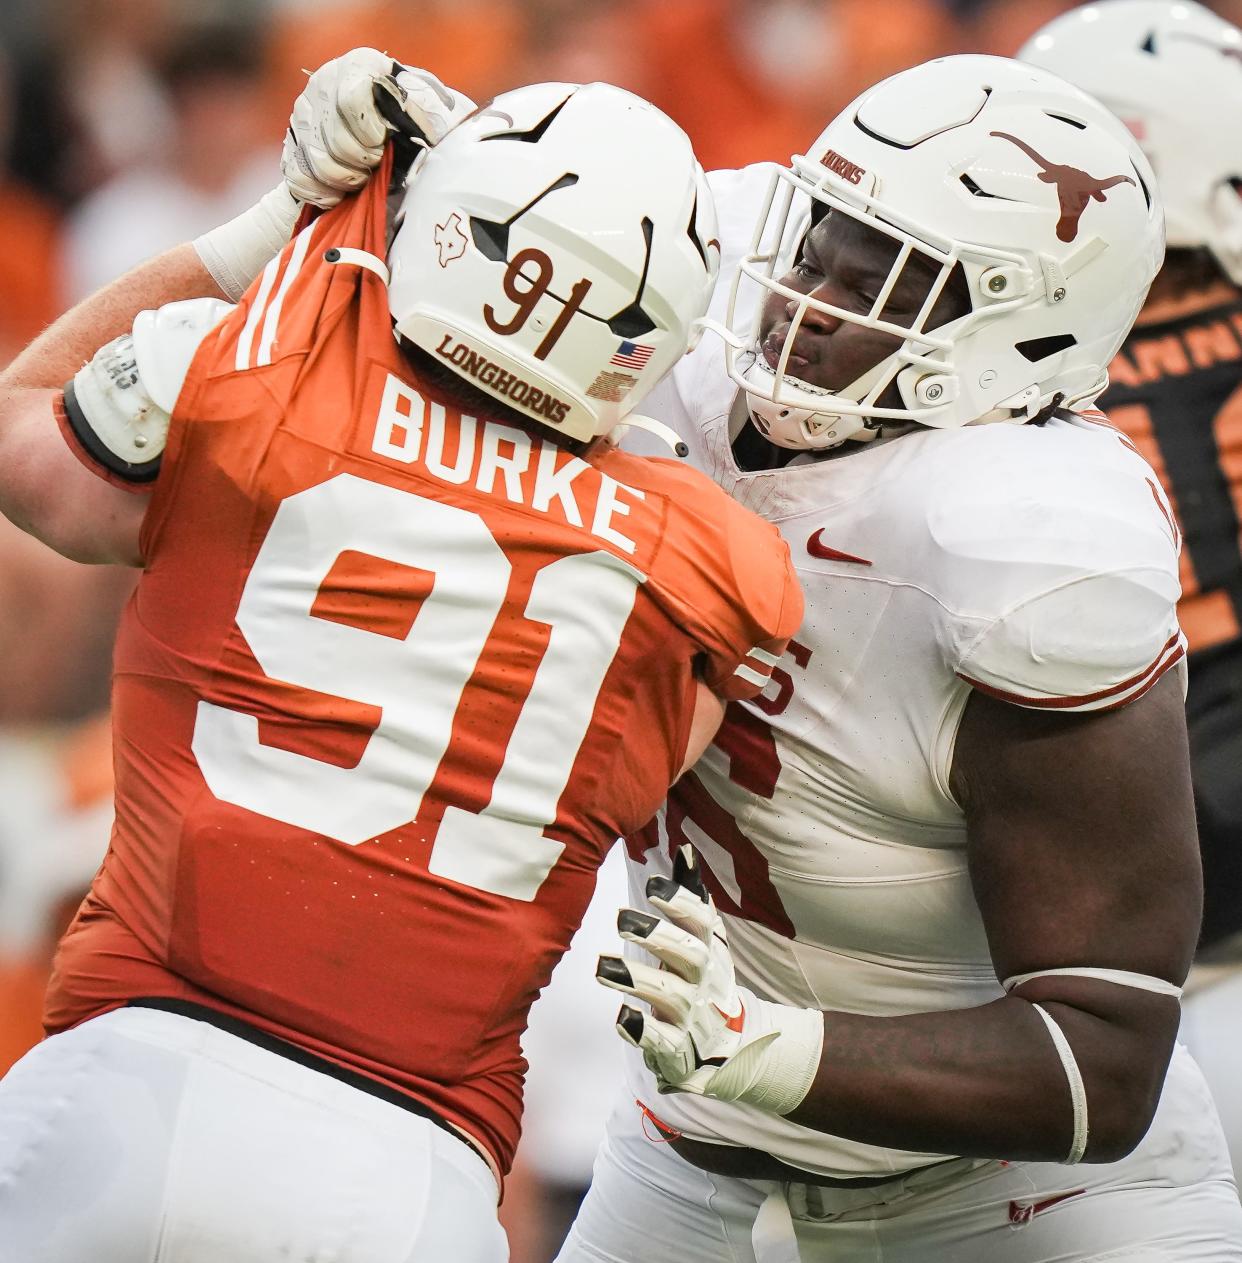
<point>393,681</point>
<point>1036,563</point>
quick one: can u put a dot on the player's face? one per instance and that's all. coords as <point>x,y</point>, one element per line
<point>846,263</point>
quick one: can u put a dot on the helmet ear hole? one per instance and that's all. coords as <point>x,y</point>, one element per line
<point>1142,184</point>
<point>1036,349</point>
<point>692,232</point>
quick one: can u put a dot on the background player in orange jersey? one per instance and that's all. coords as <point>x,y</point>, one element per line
<point>398,611</point>
<point>1172,71</point>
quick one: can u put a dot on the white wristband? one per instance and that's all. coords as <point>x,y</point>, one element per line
<point>774,1072</point>
<point>236,252</point>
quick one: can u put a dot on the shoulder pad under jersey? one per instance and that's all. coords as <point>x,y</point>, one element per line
<point>119,404</point>
<point>1057,559</point>
<point>166,341</point>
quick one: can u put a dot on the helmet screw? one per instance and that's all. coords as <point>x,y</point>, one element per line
<point>997,284</point>
<point>140,440</point>
<point>1058,293</point>
<point>934,391</point>
<point>987,377</point>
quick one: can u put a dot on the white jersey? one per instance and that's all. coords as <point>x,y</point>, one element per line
<point>1037,563</point>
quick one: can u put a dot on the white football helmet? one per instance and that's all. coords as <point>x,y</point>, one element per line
<point>1171,70</point>
<point>556,249</point>
<point>1031,187</point>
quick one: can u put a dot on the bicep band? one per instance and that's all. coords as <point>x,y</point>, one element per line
<point>1121,977</point>
<point>1078,1090</point>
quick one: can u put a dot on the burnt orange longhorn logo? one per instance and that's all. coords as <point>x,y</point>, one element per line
<point>1075,188</point>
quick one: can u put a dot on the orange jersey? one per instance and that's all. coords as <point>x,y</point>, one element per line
<point>392,682</point>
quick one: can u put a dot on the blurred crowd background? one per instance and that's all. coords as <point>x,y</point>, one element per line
<point>127,126</point>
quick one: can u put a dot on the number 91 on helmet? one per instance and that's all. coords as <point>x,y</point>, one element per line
<point>557,250</point>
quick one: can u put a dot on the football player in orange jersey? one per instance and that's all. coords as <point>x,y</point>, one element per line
<point>410,648</point>
<point>1172,71</point>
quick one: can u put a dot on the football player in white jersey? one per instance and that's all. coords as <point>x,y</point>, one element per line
<point>952,845</point>
<point>1172,71</point>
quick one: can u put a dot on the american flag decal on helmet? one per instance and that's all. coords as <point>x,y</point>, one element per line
<point>632,355</point>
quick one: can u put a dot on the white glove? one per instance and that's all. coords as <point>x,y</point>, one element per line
<point>338,128</point>
<point>335,140</point>
<point>706,1035</point>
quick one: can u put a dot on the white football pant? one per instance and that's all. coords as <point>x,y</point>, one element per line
<point>1171,1201</point>
<point>1212,1030</point>
<point>148,1137</point>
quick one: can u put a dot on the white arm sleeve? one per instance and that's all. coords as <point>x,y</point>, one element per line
<point>119,404</point>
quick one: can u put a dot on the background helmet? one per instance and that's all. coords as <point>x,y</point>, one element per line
<point>1172,72</point>
<point>1032,188</point>
<point>556,250</point>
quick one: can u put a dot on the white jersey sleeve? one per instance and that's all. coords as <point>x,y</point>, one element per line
<point>119,404</point>
<point>1083,560</point>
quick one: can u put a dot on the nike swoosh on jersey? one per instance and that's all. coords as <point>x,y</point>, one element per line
<point>817,548</point>
<point>734,1023</point>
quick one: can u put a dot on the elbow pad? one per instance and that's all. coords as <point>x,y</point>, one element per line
<point>120,403</point>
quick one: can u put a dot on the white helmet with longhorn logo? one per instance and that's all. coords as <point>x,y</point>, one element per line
<point>1021,190</point>
<point>1171,70</point>
<point>556,249</point>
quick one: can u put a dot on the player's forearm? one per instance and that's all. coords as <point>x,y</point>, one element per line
<point>44,489</point>
<point>988,1082</point>
<point>57,353</point>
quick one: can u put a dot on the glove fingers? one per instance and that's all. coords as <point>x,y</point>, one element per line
<point>684,908</point>
<point>300,176</point>
<point>331,170</point>
<point>683,953</point>
<point>666,1049</point>
<point>423,84</point>
<point>365,130</point>
<point>689,873</point>
<point>670,997</point>
<point>433,108</point>
<point>337,132</point>
<point>309,160</point>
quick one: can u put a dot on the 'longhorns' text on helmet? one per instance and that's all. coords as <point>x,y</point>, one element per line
<point>556,250</point>
<point>1171,70</point>
<point>1021,190</point>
